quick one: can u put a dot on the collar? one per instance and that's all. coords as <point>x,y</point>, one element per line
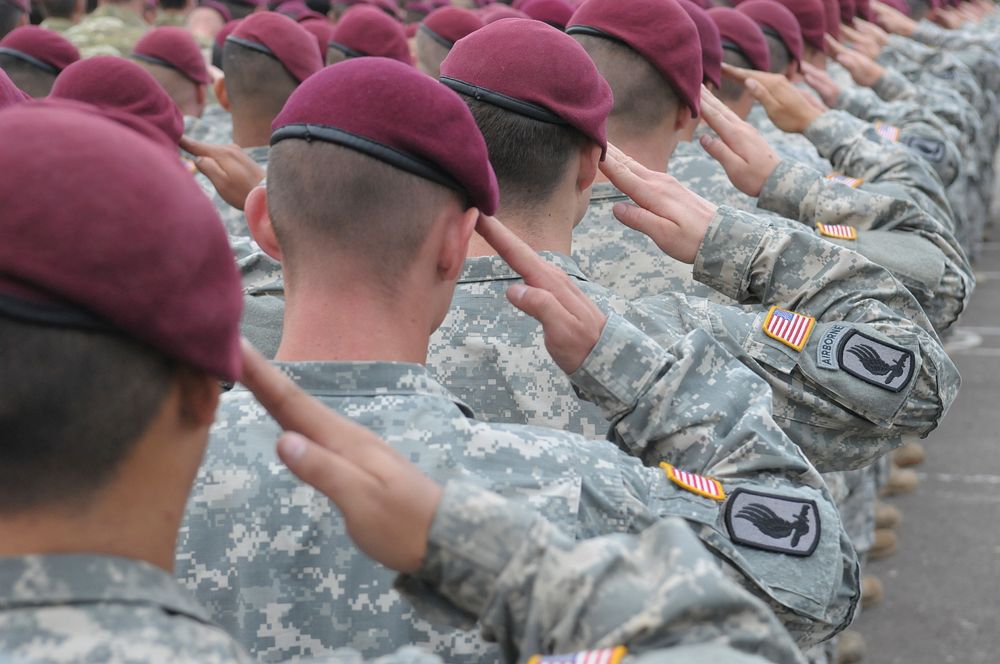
<point>494,268</point>
<point>77,579</point>
<point>367,379</point>
<point>602,192</point>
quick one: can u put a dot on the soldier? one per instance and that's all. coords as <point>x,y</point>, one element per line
<point>173,13</point>
<point>111,29</point>
<point>10,94</point>
<point>33,57</point>
<point>744,46</point>
<point>173,58</point>
<point>371,216</point>
<point>13,14</point>
<point>554,12</point>
<point>711,46</point>
<point>439,32</point>
<point>86,568</point>
<point>61,15</point>
<point>367,31</point>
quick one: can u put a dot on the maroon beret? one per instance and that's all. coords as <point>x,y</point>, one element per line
<point>498,12</point>
<point>223,10</point>
<point>740,34</point>
<point>298,11</point>
<point>411,30</point>
<point>281,38</point>
<point>864,8</point>
<point>812,21</point>
<point>174,48</point>
<point>449,24</point>
<point>901,5</point>
<point>322,30</point>
<point>394,113</point>
<point>10,94</point>
<point>711,42</point>
<point>777,21</point>
<point>831,17</point>
<point>111,82</point>
<point>366,31</point>
<point>659,30</point>
<point>45,49</point>
<point>527,67</point>
<point>388,7</point>
<point>225,31</point>
<point>554,12</point>
<point>848,9</point>
<point>139,250</point>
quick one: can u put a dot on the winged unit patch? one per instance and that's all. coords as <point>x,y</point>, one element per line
<point>876,362</point>
<point>772,522</point>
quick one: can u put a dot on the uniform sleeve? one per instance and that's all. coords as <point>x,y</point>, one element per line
<point>535,591</point>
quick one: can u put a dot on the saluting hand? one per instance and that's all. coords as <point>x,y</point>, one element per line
<point>893,20</point>
<point>861,42</point>
<point>745,155</point>
<point>571,322</point>
<point>865,71</point>
<point>388,504</point>
<point>820,81</point>
<point>788,108</point>
<point>230,170</point>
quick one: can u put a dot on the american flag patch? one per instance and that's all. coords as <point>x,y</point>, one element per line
<point>602,656</point>
<point>788,327</point>
<point>853,183</point>
<point>838,231</point>
<point>699,484</point>
<point>887,131</point>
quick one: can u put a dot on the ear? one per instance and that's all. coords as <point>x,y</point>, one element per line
<point>590,157</point>
<point>459,227</point>
<point>199,397</point>
<point>219,86</point>
<point>259,222</point>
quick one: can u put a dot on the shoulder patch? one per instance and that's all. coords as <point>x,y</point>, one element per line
<point>838,231</point>
<point>928,148</point>
<point>602,656</point>
<point>697,484</point>
<point>826,351</point>
<point>887,131</point>
<point>788,327</point>
<point>773,522</point>
<point>884,365</point>
<point>853,183</point>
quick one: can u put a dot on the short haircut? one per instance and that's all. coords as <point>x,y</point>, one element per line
<point>237,9</point>
<point>332,199</point>
<point>321,6</point>
<point>335,55</point>
<point>178,87</point>
<point>530,157</point>
<point>10,16</point>
<point>430,54</point>
<point>780,55</point>
<point>919,9</point>
<point>173,4</point>
<point>73,405</point>
<point>59,8</point>
<point>643,97</point>
<point>732,89</point>
<point>256,83</point>
<point>33,80</point>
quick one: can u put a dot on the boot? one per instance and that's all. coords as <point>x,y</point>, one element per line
<point>872,592</point>
<point>900,481</point>
<point>909,454</point>
<point>885,544</point>
<point>887,516</point>
<point>851,647</point>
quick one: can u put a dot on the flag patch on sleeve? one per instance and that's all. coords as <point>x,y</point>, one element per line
<point>602,656</point>
<point>788,327</point>
<point>697,484</point>
<point>838,231</point>
<point>887,131</point>
<point>853,183</point>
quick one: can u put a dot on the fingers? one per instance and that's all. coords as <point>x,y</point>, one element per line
<point>738,73</point>
<point>538,303</point>
<point>722,153</point>
<point>334,476</point>
<point>835,45</point>
<point>196,148</point>
<point>210,168</point>
<point>761,94</point>
<point>624,172</point>
<point>642,220</point>
<point>517,254</point>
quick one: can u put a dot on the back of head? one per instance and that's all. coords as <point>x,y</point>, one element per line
<point>367,31</point>
<point>13,13</point>
<point>811,18</point>
<point>174,59</point>
<point>438,32</point>
<point>780,27</point>
<point>239,9</point>
<point>711,42</point>
<point>743,45</point>
<point>34,56</point>
<point>554,12</point>
<point>112,279</point>
<point>59,8</point>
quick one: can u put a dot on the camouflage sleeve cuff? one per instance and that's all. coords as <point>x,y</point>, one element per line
<point>928,33</point>
<point>726,255</point>
<point>855,101</point>
<point>619,369</point>
<point>893,85</point>
<point>786,190</point>
<point>833,130</point>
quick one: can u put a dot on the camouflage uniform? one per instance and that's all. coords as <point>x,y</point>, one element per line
<point>170,18</point>
<point>263,300</point>
<point>234,219</point>
<point>214,126</point>
<point>264,553</point>
<point>57,24</point>
<point>108,30</point>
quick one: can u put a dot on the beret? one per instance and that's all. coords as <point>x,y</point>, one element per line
<point>411,29</point>
<point>366,31</point>
<point>322,30</point>
<point>389,7</point>
<point>225,31</point>
<point>831,16</point>
<point>298,11</point>
<point>740,34</point>
<point>140,251</point>
<point>776,20</point>
<point>174,48</point>
<point>812,21</point>
<point>111,82</point>
<point>394,113</point>
<point>46,49</point>
<point>711,42</point>
<point>497,12</point>
<point>223,10</point>
<point>281,38</point>
<point>865,10</point>
<point>901,5</point>
<point>659,30</point>
<point>449,24</point>
<point>530,68</point>
<point>10,94</point>
<point>554,12</point>
<point>848,10</point>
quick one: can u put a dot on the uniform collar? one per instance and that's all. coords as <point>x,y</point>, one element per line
<point>603,192</point>
<point>494,268</point>
<point>78,579</point>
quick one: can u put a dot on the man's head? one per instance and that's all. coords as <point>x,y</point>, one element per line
<point>375,180</point>
<point>554,12</point>
<point>711,43</point>
<point>13,14</point>
<point>175,6</point>
<point>242,8</point>
<point>119,311</point>
<point>811,17</point>
<point>743,45</point>
<point>173,58</point>
<point>781,29</point>
<point>33,57</point>
<point>439,32</point>
<point>68,9</point>
<point>367,31</point>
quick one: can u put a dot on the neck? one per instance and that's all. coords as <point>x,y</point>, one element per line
<point>357,326</point>
<point>548,228</point>
<point>250,132</point>
<point>651,151</point>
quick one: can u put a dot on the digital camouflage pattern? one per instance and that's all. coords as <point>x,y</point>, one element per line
<point>257,548</point>
<point>234,219</point>
<point>214,126</point>
<point>108,30</point>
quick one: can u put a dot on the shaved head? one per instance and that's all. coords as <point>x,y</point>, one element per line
<point>430,54</point>
<point>257,84</point>
<point>31,79</point>
<point>181,89</point>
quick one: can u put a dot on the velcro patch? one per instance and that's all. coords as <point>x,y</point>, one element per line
<point>928,148</point>
<point>853,183</point>
<point>887,131</point>
<point>838,231</point>
<point>826,351</point>
<point>697,484</point>
<point>773,522</point>
<point>602,656</point>
<point>788,327</point>
<point>876,362</point>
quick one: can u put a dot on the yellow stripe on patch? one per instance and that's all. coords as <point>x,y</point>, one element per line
<point>707,487</point>
<point>789,327</point>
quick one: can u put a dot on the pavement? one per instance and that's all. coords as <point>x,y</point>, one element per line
<point>942,588</point>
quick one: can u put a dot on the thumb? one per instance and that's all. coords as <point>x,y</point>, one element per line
<point>210,168</point>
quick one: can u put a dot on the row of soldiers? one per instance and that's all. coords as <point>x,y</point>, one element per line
<point>597,324</point>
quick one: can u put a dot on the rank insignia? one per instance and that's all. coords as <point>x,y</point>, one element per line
<point>876,362</point>
<point>772,522</point>
<point>788,327</point>
<point>853,183</point>
<point>697,484</point>
<point>602,656</point>
<point>839,232</point>
<point>887,131</point>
